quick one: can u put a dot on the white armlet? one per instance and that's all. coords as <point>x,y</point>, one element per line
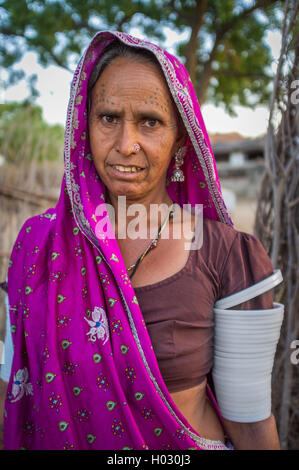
<point>251,292</point>
<point>244,348</point>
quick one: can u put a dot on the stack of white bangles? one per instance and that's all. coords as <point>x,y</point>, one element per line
<point>245,343</point>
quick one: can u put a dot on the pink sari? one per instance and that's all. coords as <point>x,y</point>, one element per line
<point>84,374</point>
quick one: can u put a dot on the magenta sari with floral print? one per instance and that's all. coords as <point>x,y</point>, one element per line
<point>84,374</point>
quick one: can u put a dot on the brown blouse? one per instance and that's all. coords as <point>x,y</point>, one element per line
<point>178,311</point>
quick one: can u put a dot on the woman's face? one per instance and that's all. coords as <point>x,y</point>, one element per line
<point>131,104</point>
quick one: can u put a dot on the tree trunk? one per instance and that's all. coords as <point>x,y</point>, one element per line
<point>203,86</point>
<point>192,46</point>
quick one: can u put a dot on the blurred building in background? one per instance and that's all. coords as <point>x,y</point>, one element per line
<point>240,163</point>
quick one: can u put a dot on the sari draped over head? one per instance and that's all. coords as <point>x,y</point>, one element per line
<point>84,373</point>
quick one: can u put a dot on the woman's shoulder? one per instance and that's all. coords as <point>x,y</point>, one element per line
<point>223,233</point>
<point>218,227</point>
<point>34,231</point>
<point>225,244</point>
<point>239,258</point>
<point>218,235</point>
<point>34,227</point>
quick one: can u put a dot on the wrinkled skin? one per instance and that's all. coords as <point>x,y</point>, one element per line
<point>131,104</point>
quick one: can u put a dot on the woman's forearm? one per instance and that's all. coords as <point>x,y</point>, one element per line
<point>261,435</point>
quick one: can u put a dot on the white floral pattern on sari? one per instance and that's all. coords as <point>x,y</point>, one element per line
<point>98,325</point>
<point>21,386</point>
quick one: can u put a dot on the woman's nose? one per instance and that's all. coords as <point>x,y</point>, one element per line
<point>127,137</point>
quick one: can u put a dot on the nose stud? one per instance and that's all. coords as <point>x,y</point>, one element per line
<point>136,148</point>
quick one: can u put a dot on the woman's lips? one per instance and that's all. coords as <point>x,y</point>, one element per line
<point>126,171</point>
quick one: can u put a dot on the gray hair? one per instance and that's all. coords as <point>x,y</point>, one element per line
<point>114,50</point>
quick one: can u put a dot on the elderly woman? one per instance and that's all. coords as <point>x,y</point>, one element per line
<point>113,333</point>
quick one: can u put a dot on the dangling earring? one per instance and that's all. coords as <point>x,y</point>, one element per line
<point>177,174</point>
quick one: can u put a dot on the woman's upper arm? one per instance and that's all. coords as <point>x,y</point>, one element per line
<point>247,263</point>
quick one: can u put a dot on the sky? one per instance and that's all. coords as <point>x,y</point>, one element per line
<point>53,85</point>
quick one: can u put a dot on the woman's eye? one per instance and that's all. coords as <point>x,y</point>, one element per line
<point>108,119</point>
<point>151,122</point>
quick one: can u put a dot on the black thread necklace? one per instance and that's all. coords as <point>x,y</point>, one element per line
<point>153,244</point>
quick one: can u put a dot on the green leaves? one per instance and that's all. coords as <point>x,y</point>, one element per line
<point>231,58</point>
<point>241,67</point>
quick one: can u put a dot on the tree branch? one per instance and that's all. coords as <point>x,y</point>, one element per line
<point>58,61</point>
<point>124,20</point>
<point>54,57</point>
<point>220,33</point>
<point>181,14</point>
<point>244,13</point>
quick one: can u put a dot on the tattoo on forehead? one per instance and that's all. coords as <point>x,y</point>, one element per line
<point>154,99</point>
<point>100,97</point>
